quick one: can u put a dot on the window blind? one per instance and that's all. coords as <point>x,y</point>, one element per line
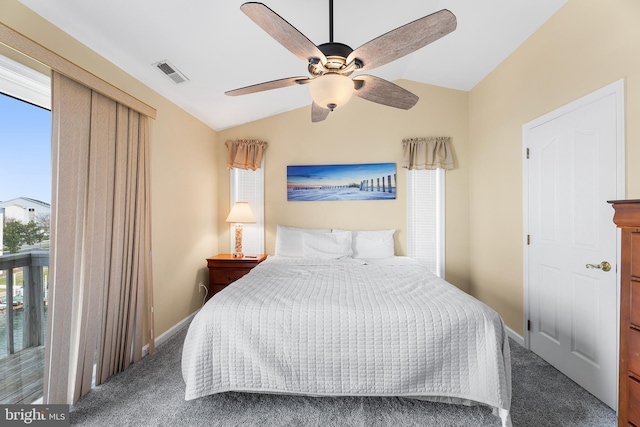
<point>425,218</point>
<point>248,186</point>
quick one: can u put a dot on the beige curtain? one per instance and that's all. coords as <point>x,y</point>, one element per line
<point>427,153</point>
<point>245,153</point>
<point>100,284</point>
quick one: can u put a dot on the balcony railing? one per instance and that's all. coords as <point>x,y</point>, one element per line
<point>23,321</point>
<point>33,265</point>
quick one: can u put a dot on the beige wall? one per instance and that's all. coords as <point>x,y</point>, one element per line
<point>585,46</point>
<point>359,132</point>
<point>183,174</point>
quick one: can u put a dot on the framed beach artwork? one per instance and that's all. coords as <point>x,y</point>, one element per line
<point>373,181</point>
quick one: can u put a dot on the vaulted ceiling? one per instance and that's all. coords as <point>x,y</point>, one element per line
<point>218,48</point>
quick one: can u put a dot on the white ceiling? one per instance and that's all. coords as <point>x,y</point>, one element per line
<point>219,48</point>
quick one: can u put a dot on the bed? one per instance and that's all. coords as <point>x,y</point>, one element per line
<point>330,322</point>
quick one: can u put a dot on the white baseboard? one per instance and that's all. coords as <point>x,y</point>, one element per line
<point>515,336</point>
<point>164,337</point>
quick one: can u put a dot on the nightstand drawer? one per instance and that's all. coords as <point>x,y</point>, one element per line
<point>214,289</point>
<point>225,276</point>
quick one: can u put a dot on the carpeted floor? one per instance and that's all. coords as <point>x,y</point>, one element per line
<point>151,393</point>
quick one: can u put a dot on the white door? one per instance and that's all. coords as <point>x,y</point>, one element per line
<point>573,169</point>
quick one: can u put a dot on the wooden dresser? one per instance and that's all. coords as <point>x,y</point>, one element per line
<point>224,269</point>
<point>627,217</point>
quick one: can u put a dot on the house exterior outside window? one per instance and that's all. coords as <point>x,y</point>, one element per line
<point>24,209</point>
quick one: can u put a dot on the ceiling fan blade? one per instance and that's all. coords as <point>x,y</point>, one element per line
<point>283,32</point>
<point>383,92</point>
<point>318,113</point>
<point>274,84</point>
<point>404,40</point>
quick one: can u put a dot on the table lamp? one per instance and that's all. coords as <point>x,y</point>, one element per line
<point>240,214</point>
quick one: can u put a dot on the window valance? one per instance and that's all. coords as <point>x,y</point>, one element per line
<point>245,153</point>
<point>427,153</point>
<point>22,44</point>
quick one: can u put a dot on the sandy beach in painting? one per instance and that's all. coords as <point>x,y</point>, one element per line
<point>375,181</point>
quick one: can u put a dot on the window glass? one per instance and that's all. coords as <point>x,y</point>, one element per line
<point>248,186</point>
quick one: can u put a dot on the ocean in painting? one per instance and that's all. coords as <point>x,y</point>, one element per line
<point>376,181</point>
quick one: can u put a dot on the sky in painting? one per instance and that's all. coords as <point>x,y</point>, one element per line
<point>25,150</point>
<point>334,175</point>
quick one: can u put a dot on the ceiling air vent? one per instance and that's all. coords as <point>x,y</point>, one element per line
<point>172,72</point>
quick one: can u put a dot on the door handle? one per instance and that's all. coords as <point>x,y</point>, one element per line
<point>604,266</point>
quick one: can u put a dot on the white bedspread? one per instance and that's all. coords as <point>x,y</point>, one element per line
<point>349,328</point>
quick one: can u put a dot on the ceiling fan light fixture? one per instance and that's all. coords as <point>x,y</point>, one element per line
<point>331,90</point>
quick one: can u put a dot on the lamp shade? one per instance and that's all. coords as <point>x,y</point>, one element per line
<point>331,90</point>
<point>241,213</point>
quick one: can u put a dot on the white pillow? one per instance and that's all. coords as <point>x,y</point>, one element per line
<point>373,244</point>
<point>289,240</point>
<point>326,245</point>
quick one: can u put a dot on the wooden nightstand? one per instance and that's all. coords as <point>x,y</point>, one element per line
<point>224,269</point>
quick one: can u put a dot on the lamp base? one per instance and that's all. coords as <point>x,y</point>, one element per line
<point>238,249</point>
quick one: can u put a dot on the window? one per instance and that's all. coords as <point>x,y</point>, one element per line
<point>425,218</point>
<point>248,186</point>
<point>25,174</point>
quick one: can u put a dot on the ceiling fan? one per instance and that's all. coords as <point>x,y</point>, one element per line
<point>330,64</point>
